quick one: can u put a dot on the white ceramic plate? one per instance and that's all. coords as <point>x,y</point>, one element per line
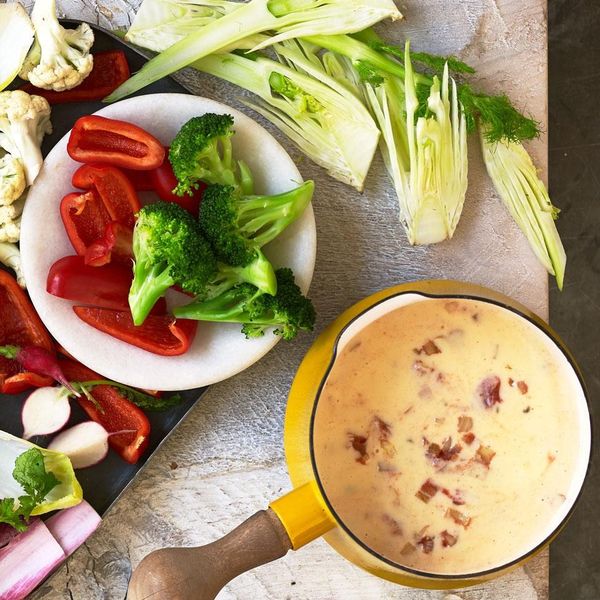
<point>219,350</point>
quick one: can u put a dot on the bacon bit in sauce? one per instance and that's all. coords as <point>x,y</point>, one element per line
<point>456,498</point>
<point>421,368</point>
<point>526,410</point>
<point>394,526</point>
<point>429,348</point>
<point>485,454</point>
<point>427,491</point>
<point>448,540</point>
<point>359,443</point>
<point>386,467</point>
<point>446,453</point>
<point>458,517</point>
<point>523,387</point>
<point>452,307</point>
<point>441,378</point>
<point>464,424</point>
<point>511,382</point>
<point>426,544</point>
<point>407,549</point>
<point>383,431</point>
<point>475,317</point>
<point>425,392</point>
<point>468,438</point>
<point>489,391</point>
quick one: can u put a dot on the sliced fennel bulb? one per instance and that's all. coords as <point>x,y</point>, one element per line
<point>517,182</point>
<point>286,18</point>
<point>321,116</point>
<point>426,156</point>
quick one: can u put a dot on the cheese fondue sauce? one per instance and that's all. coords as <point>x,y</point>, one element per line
<point>445,436</point>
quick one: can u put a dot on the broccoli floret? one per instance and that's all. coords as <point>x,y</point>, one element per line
<point>59,58</point>
<point>168,249</point>
<point>288,311</point>
<point>237,225</point>
<point>201,151</point>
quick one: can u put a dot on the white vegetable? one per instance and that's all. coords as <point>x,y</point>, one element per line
<point>24,120</point>
<point>12,179</point>
<point>524,194</point>
<point>16,37</point>
<point>60,59</point>
<point>10,256</point>
<point>46,410</point>
<point>426,156</point>
<point>320,115</point>
<point>85,444</point>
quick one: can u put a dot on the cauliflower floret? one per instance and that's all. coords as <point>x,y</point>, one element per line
<point>24,120</point>
<point>59,59</point>
<point>10,231</point>
<point>11,257</point>
<point>12,179</point>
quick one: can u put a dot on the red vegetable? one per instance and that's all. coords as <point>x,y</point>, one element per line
<point>114,412</point>
<point>109,72</point>
<point>106,286</point>
<point>85,219</point>
<point>96,139</point>
<point>140,180</point>
<point>159,334</point>
<point>164,182</point>
<point>116,191</point>
<point>19,326</point>
<point>117,245</point>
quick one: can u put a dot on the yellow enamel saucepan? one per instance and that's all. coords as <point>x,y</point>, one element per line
<point>305,513</point>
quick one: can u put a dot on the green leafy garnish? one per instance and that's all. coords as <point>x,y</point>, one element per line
<point>30,472</point>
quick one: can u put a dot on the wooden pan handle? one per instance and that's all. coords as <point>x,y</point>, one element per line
<point>200,573</point>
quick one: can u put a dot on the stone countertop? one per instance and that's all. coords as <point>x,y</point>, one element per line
<point>226,460</point>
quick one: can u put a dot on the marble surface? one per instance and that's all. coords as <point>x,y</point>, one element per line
<point>226,460</point>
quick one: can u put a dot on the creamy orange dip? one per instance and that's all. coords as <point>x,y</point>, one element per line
<point>445,436</point>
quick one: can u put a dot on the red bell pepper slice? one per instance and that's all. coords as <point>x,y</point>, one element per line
<point>109,72</point>
<point>161,335</point>
<point>19,326</point>
<point>85,219</point>
<point>140,180</point>
<point>113,411</point>
<point>116,245</point>
<point>115,190</point>
<point>96,139</point>
<point>108,286</point>
<point>164,182</point>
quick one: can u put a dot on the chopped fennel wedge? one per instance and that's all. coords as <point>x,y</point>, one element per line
<point>320,115</point>
<point>516,180</point>
<point>426,156</point>
<point>286,18</point>
<point>16,37</point>
<point>66,493</point>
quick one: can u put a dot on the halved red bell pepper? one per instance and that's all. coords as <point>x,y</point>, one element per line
<point>113,411</point>
<point>96,139</point>
<point>109,72</point>
<point>114,188</point>
<point>85,219</point>
<point>116,246</point>
<point>106,286</point>
<point>164,182</point>
<point>159,334</point>
<point>19,326</point>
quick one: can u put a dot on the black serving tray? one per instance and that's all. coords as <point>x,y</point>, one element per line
<point>103,483</point>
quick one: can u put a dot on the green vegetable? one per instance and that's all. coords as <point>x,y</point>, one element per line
<point>238,226</point>
<point>139,398</point>
<point>286,18</point>
<point>300,97</point>
<point>168,249</point>
<point>288,311</point>
<point>33,481</point>
<point>524,194</point>
<point>60,58</point>
<point>16,37</point>
<point>201,151</point>
<point>425,154</point>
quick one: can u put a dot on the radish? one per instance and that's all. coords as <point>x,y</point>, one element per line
<point>85,444</point>
<point>46,410</point>
<point>38,360</point>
